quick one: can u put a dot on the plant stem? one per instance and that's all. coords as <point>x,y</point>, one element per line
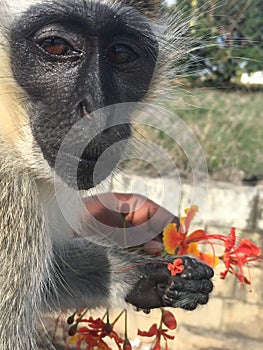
<point>126,325</point>
<point>117,318</point>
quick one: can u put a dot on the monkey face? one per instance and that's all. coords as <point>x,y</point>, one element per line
<point>73,58</point>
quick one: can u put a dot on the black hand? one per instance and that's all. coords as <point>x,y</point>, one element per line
<point>156,287</point>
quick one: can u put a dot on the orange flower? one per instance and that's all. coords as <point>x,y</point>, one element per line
<point>171,238</point>
<point>209,259</point>
<point>176,240</point>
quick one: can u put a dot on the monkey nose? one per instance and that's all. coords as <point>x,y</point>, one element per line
<point>84,111</point>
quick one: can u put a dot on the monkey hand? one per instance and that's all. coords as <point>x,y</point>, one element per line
<point>156,287</point>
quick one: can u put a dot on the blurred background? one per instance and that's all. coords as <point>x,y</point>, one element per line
<point>218,92</point>
<point>217,89</point>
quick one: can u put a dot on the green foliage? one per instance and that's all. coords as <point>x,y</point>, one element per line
<point>231,33</point>
<point>229,126</point>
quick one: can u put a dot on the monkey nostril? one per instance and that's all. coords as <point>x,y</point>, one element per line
<point>83,110</point>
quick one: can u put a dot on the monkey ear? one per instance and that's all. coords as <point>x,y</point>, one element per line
<point>150,8</point>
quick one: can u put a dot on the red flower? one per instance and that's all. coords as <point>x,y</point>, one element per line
<point>176,267</point>
<point>157,344</point>
<point>238,255</point>
<point>94,333</point>
<point>151,332</point>
<point>158,332</point>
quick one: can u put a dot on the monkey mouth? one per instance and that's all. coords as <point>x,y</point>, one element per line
<point>78,172</point>
<point>85,168</point>
<point>86,171</point>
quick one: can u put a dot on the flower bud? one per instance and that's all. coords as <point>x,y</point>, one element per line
<point>72,330</point>
<point>127,345</point>
<point>169,320</point>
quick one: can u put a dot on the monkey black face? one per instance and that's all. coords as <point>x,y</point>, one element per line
<point>72,58</point>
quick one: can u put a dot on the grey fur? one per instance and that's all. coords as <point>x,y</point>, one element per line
<point>30,281</point>
<point>25,253</point>
<point>41,271</point>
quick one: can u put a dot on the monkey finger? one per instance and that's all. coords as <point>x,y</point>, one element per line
<point>191,263</point>
<point>203,286</point>
<point>202,271</point>
<point>187,301</point>
<point>199,297</point>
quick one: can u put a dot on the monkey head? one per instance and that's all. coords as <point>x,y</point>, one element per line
<point>68,59</point>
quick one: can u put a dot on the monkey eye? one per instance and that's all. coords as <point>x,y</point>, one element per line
<point>58,47</point>
<point>120,54</point>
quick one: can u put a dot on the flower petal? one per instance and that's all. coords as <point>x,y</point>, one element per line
<point>190,214</point>
<point>193,249</point>
<point>248,248</point>
<point>151,332</point>
<point>197,236</point>
<point>171,238</point>
<point>210,259</point>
